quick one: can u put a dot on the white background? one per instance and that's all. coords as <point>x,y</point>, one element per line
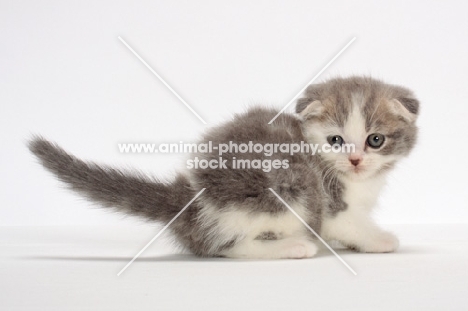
<point>65,75</point>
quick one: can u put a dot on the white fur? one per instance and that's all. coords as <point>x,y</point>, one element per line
<point>362,194</point>
<point>354,131</point>
<point>354,227</point>
<point>293,248</point>
<point>236,223</point>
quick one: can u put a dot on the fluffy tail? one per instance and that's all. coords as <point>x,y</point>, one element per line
<point>131,193</point>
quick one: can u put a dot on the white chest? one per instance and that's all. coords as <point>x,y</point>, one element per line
<point>362,195</point>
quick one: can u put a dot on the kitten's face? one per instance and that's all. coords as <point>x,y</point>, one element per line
<point>376,118</point>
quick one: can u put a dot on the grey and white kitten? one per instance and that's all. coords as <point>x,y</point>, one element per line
<point>237,216</point>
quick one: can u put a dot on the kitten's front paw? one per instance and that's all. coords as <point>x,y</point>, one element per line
<point>384,242</point>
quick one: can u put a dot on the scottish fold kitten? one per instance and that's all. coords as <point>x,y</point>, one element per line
<point>237,215</point>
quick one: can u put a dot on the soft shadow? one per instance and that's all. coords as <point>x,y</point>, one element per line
<point>402,250</point>
<point>323,252</point>
<point>162,258</point>
<point>340,250</point>
<point>169,258</point>
<point>412,249</point>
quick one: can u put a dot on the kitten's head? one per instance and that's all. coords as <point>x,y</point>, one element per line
<point>378,118</point>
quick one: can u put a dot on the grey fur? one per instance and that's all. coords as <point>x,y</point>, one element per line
<point>305,181</point>
<point>268,236</point>
<point>132,192</point>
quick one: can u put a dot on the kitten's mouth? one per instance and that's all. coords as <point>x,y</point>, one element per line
<point>357,170</point>
<point>354,172</point>
<point>359,173</point>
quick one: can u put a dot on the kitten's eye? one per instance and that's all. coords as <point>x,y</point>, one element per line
<point>375,140</point>
<point>335,140</point>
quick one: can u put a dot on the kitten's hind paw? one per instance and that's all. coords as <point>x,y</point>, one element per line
<point>299,250</point>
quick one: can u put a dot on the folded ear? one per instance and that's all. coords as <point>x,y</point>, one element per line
<point>309,109</point>
<point>406,107</point>
<point>310,105</point>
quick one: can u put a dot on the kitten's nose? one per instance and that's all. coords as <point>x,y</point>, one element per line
<point>355,162</point>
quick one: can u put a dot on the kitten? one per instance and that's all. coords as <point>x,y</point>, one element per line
<point>237,216</point>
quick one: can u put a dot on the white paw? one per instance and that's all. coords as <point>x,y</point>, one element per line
<point>384,242</point>
<point>305,249</point>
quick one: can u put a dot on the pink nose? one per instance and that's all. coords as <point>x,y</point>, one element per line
<point>355,162</point>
